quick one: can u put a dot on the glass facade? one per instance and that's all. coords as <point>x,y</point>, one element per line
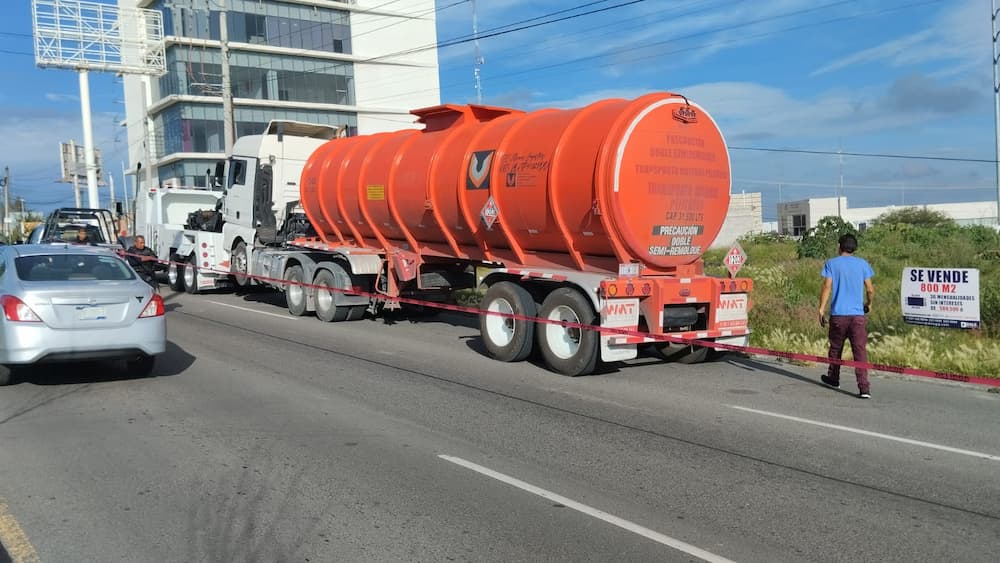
<point>264,23</point>
<point>198,128</point>
<point>197,71</point>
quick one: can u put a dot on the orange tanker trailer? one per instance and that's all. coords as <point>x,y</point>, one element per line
<point>597,215</point>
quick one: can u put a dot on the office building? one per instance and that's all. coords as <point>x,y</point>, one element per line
<point>361,64</point>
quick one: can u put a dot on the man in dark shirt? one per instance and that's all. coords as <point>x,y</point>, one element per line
<point>143,260</point>
<point>82,237</point>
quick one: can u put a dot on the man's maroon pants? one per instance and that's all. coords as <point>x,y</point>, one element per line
<point>855,329</point>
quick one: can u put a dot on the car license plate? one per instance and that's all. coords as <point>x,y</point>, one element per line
<point>91,314</point>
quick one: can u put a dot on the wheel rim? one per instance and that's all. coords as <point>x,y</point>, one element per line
<point>189,275</point>
<point>500,329</point>
<point>172,274</point>
<point>294,292</point>
<point>563,341</point>
<point>240,262</point>
<point>324,297</point>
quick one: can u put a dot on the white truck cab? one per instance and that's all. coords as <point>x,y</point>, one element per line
<point>262,187</point>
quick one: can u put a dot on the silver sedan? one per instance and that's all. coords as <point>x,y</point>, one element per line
<point>76,303</point>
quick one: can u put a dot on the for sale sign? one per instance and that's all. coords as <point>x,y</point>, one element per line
<point>944,297</point>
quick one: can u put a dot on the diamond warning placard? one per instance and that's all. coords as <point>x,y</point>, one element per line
<point>734,259</point>
<point>489,213</point>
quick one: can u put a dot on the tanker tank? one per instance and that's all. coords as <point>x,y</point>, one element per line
<point>618,181</point>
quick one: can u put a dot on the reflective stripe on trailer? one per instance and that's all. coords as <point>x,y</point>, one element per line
<point>530,274</point>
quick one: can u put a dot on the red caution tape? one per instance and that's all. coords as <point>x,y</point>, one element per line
<point>987,381</point>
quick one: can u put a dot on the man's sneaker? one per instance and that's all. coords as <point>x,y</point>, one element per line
<point>829,382</point>
<point>864,395</point>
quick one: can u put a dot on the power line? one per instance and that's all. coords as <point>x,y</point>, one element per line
<point>503,31</point>
<point>511,76</point>
<point>500,30</point>
<point>869,155</point>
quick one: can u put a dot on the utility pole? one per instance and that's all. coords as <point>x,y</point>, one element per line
<point>479,56</point>
<point>6,204</point>
<point>840,155</point>
<point>227,90</point>
<point>996,100</point>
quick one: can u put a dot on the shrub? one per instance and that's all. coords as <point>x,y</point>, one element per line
<point>920,216</point>
<point>821,240</point>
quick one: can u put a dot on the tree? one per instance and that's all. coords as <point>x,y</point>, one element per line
<point>821,241</point>
<point>920,216</point>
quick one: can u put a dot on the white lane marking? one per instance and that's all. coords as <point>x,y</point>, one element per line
<point>873,434</point>
<point>286,317</point>
<point>600,515</point>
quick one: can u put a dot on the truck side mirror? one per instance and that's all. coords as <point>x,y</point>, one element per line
<point>220,170</point>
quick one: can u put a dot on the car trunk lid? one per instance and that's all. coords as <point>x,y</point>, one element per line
<point>100,304</point>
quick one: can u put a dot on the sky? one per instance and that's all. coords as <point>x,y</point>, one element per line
<point>865,77</point>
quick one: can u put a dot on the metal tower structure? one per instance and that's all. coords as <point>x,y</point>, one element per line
<point>85,36</point>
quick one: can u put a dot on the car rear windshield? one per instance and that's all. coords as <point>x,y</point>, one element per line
<point>72,267</point>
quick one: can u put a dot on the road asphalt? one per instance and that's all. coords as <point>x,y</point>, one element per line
<point>265,437</point>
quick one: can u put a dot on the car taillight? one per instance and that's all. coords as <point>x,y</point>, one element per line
<point>15,310</point>
<point>154,308</point>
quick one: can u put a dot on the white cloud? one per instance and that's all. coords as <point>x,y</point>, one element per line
<point>958,35</point>
<point>59,98</point>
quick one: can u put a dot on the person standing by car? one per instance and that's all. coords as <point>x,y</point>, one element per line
<point>848,279</point>
<point>143,261</point>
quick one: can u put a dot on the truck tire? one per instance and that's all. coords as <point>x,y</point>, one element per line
<point>682,354</point>
<point>506,339</point>
<point>327,309</point>
<point>570,351</point>
<point>6,375</point>
<point>175,274</point>
<point>239,265</point>
<point>295,292</point>
<point>190,275</point>
<point>357,312</point>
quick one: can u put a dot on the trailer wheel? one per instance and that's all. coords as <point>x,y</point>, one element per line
<point>327,309</point>
<point>568,350</point>
<point>239,265</point>
<point>683,354</point>
<point>506,339</point>
<point>175,274</point>
<point>356,313</point>
<point>295,292</point>
<point>190,275</point>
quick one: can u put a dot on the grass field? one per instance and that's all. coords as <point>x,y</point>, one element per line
<point>787,285</point>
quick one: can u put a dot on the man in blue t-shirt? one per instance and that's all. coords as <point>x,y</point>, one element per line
<point>849,280</point>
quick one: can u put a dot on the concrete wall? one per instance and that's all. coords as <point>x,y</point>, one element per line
<point>392,74</point>
<point>745,216</point>
<point>968,213</point>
